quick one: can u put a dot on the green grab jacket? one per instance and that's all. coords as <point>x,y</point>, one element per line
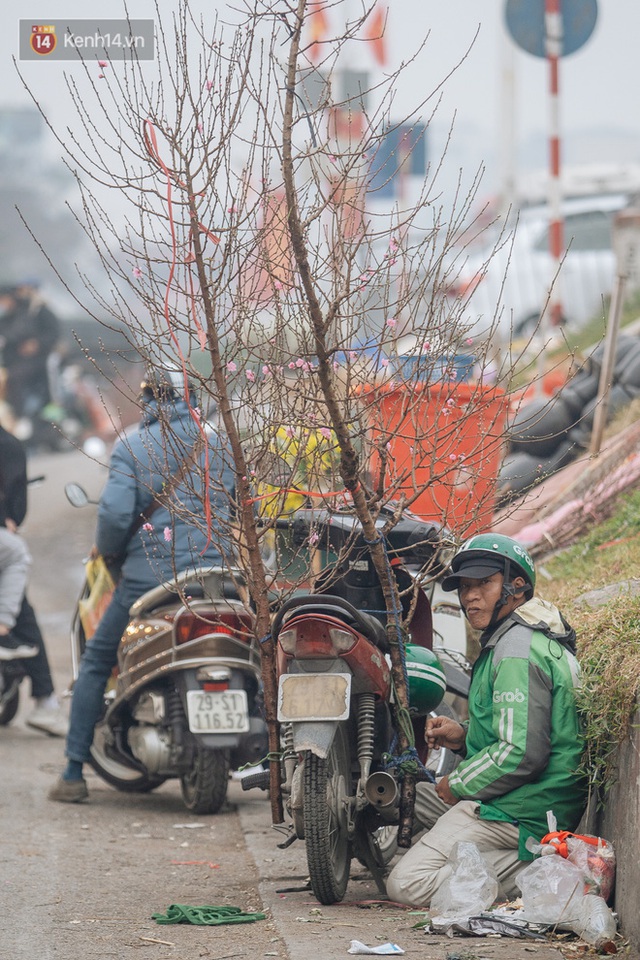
<point>523,737</point>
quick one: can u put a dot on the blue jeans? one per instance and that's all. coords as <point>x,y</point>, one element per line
<point>98,660</point>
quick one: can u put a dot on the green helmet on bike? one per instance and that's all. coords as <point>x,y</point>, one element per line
<point>489,553</point>
<point>426,678</point>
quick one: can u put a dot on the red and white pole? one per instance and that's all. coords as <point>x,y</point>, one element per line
<point>553,47</point>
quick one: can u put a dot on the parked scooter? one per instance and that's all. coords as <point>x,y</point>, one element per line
<point>186,698</point>
<point>335,691</point>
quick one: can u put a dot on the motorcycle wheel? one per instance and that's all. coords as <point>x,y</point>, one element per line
<point>119,775</point>
<point>9,708</point>
<point>326,786</point>
<point>204,788</point>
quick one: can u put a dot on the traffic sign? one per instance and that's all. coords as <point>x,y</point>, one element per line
<point>525,21</point>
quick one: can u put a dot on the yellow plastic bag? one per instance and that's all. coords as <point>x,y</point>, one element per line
<point>100,587</point>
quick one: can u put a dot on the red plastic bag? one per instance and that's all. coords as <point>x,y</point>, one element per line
<point>593,855</point>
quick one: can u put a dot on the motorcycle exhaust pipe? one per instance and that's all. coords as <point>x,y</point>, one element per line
<point>381,790</point>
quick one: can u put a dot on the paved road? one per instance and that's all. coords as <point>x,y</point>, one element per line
<point>81,882</point>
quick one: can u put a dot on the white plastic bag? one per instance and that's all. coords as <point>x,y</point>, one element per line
<point>471,888</point>
<point>552,890</point>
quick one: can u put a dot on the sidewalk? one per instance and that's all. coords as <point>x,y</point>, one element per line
<point>310,930</point>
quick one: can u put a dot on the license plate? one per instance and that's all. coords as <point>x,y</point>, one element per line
<point>225,711</point>
<point>313,696</point>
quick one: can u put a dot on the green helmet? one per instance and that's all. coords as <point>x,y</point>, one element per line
<point>427,680</point>
<point>491,551</point>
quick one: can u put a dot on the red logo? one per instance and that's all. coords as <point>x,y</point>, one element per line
<point>43,39</point>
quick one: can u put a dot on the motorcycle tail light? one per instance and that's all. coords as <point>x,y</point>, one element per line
<point>311,640</point>
<point>287,640</point>
<point>210,686</point>
<point>343,640</point>
<point>191,625</point>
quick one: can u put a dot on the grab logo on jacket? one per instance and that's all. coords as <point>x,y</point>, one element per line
<point>509,696</point>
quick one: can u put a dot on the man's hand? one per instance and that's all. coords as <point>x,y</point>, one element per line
<point>444,732</point>
<point>443,791</point>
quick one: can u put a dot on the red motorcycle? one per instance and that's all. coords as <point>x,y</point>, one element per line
<point>335,693</point>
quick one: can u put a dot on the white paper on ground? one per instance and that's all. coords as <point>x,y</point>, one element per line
<point>384,948</point>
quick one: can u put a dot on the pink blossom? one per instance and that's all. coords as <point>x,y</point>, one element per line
<point>103,63</point>
<point>289,431</point>
<point>200,128</point>
<point>353,355</point>
<point>426,347</point>
<point>469,341</point>
<point>266,371</point>
<point>167,534</point>
<point>332,159</point>
<point>384,362</point>
<point>148,527</point>
<point>231,209</point>
<point>101,76</point>
<point>137,272</point>
<point>300,362</point>
<point>452,457</point>
<point>313,538</point>
<point>250,376</point>
<point>392,262</point>
<point>391,322</point>
<point>393,244</point>
<point>231,367</point>
<point>325,432</point>
<point>291,365</point>
<point>209,85</point>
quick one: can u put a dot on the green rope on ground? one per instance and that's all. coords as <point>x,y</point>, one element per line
<point>209,916</point>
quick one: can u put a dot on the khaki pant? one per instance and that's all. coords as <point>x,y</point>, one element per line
<point>423,867</point>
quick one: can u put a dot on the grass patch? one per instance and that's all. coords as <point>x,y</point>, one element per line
<point>609,654</point>
<point>608,636</point>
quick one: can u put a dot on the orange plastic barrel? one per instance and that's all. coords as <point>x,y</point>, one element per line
<point>441,445</point>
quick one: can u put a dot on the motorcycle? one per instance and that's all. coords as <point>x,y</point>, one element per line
<point>12,673</point>
<point>335,691</point>
<point>185,700</point>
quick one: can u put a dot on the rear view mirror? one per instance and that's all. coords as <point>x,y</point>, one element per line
<point>76,495</point>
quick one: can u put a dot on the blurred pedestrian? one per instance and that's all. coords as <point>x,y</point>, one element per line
<point>24,640</point>
<point>29,331</point>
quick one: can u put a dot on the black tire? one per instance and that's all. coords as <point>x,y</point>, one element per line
<point>204,788</point>
<point>540,425</point>
<point>326,785</point>
<point>119,775</point>
<point>9,708</point>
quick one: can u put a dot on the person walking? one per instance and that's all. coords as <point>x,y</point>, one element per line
<point>522,745</point>
<point>20,634</point>
<point>29,332</point>
<point>175,538</point>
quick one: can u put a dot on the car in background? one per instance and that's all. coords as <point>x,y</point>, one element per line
<point>502,283</point>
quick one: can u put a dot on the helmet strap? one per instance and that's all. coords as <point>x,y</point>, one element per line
<point>508,590</point>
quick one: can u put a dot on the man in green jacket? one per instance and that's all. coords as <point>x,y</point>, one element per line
<point>522,744</point>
